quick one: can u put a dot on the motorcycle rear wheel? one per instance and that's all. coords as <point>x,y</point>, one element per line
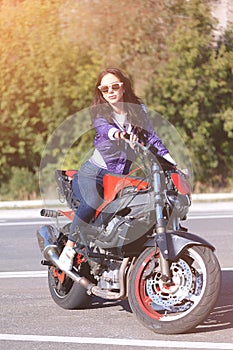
<point>185,303</point>
<point>65,292</point>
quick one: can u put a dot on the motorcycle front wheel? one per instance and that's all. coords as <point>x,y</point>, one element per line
<point>181,305</point>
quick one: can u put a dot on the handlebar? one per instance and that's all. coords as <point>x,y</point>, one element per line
<point>151,149</point>
<point>137,143</point>
<point>50,213</point>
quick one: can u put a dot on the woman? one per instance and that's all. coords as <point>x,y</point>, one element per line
<point>119,119</point>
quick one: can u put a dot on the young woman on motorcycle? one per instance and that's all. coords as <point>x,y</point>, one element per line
<point>119,119</point>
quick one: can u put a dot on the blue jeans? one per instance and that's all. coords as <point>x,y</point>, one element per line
<point>88,190</point>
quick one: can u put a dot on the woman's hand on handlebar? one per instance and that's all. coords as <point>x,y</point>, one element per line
<point>129,138</point>
<point>123,135</point>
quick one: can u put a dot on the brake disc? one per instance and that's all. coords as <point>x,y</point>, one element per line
<point>172,294</point>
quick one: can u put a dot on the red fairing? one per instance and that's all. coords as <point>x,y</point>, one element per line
<point>181,183</point>
<point>71,173</point>
<point>114,184</point>
<point>69,214</point>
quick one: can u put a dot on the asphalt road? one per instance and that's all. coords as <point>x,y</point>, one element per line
<point>31,320</point>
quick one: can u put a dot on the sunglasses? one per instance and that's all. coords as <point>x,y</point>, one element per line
<point>113,86</point>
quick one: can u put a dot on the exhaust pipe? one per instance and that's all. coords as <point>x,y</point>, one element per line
<point>47,236</point>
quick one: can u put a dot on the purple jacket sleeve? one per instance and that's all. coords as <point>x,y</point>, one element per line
<point>102,127</point>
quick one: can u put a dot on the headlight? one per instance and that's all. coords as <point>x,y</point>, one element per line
<point>178,203</point>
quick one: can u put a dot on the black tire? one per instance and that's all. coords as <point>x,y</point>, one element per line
<point>182,306</point>
<point>65,292</point>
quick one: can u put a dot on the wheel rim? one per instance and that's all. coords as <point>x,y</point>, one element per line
<point>167,302</point>
<point>60,283</point>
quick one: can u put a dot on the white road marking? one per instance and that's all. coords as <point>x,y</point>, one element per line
<point>64,220</point>
<point>120,342</point>
<point>28,223</point>
<point>211,216</point>
<point>23,274</point>
<point>36,274</point>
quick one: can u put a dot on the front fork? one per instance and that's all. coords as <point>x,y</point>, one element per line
<point>161,224</point>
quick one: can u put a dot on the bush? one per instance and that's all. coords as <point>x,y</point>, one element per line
<point>22,185</point>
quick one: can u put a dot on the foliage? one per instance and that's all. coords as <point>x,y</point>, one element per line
<point>193,88</point>
<point>52,51</point>
<point>23,185</point>
<point>45,78</point>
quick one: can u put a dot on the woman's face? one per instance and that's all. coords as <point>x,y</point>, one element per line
<point>112,88</point>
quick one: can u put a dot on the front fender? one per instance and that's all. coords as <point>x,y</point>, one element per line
<point>172,244</point>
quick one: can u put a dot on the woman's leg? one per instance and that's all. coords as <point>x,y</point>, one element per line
<point>88,189</point>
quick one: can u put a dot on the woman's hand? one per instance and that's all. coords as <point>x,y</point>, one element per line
<point>129,138</point>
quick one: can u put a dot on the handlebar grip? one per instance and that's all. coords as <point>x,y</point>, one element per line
<point>49,213</point>
<point>127,136</point>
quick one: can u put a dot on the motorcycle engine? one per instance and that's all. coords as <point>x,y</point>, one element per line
<point>107,276</point>
<point>110,277</point>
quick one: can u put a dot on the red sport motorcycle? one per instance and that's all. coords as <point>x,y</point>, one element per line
<point>136,248</point>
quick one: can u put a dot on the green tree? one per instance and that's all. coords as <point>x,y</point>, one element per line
<point>52,51</point>
<point>193,89</point>
<point>45,78</point>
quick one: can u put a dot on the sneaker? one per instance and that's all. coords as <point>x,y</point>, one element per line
<point>65,261</point>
